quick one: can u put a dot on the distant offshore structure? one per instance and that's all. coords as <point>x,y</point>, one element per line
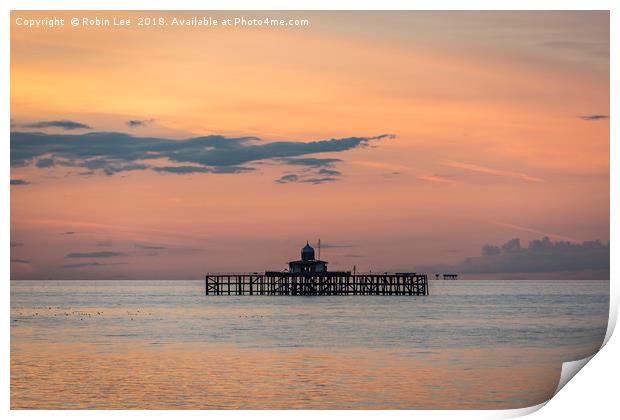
<point>309,276</point>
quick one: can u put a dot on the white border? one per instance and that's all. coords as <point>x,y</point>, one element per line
<point>593,394</point>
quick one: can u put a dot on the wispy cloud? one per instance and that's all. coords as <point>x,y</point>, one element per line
<point>80,265</point>
<point>19,182</point>
<point>594,117</point>
<point>491,171</point>
<point>329,172</point>
<point>317,181</point>
<point>90,264</point>
<point>150,247</point>
<point>96,254</point>
<point>286,179</point>
<point>110,167</point>
<point>436,178</point>
<point>189,169</point>
<point>139,123</point>
<point>154,234</point>
<point>309,161</point>
<point>19,261</point>
<point>64,124</point>
<point>316,170</point>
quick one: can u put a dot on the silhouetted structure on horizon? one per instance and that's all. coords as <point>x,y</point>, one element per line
<point>447,276</point>
<point>310,277</point>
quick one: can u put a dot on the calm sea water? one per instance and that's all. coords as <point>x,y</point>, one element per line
<point>158,344</point>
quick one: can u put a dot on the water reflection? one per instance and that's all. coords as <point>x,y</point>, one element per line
<point>161,345</point>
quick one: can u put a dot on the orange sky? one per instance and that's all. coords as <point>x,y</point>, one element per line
<point>485,107</point>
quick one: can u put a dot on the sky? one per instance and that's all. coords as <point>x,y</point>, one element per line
<point>400,139</point>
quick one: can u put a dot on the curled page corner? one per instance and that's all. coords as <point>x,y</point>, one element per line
<point>570,369</point>
<point>613,317</point>
<point>521,412</point>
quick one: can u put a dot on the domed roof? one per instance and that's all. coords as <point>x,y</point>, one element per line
<point>307,252</point>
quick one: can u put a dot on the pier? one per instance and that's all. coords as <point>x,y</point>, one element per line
<point>309,276</point>
<point>276,283</point>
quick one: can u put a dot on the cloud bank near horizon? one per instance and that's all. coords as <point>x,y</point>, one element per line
<point>111,152</point>
<point>541,255</point>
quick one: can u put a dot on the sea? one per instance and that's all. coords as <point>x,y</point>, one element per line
<point>165,345</point>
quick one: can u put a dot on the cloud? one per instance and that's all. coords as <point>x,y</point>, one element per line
<point>318,170</point>
<point>19,261</point>
<point>111,168</point>
<point>329,172</point>
<point>232,169</point>
<point>436,179</point>
<point>68,233</point>
<point>64,124</point>
<point>492,171</point>
<point>16,244</point>
<point>139,123</point>
<point>594,117</point>
<point>45,163</point>
<point>308,178</point>
<point>284,179</point>
<point>183,170</point>
<point>79,265</point>
<point>97,254</point>
<point>150,247</point>
<point>111,152</point>
<point>317,181</point>
<point>19,182</point>
<point>89,264</point>
<point>542,255</point>
<point>314,162</point>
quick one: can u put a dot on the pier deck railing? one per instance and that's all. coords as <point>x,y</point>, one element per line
<point>277,283</point>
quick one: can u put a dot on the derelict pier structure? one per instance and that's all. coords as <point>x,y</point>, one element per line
<point>310,277</point>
